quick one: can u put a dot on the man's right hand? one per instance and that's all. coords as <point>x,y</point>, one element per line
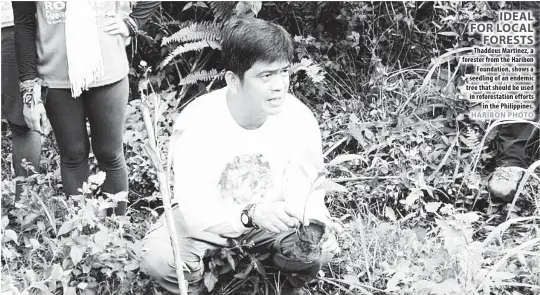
<point>275,217</point>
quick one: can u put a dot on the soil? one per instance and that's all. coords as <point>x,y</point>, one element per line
<point>308,244</point>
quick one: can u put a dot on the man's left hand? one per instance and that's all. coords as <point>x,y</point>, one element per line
<point>330,243</point>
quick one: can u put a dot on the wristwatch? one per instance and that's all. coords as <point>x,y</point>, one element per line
<point>247,216</point>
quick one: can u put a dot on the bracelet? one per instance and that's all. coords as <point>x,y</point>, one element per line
<point>251,214</point>
<point>132,27</point>
<point>31,91</point>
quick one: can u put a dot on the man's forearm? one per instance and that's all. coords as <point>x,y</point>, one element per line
<point>219,217</point>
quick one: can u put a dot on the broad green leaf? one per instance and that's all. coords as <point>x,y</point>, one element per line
<point>449,286</point>
<point>393,282</point>
<point>82,285</point>
<point>423,284</point>
<point>230,259</point>
<point>118,197</point>
<point>201,4</point>
<point>187,6</point>
<point>67,227</point>
<point>35,244</point>
<point>368,133</point>
<point>86,268</point>
<point>133,265</point>
<point>6,253</point>
<point>256,7</point>
<point>70,291</point>
<point>468,217</point>
<point>389,212</point>
<point>259,267</point>
<point>264,256</point>
<point>501,276</point>
<point>97,179</point>
<point>449,34</point>
<point>331,186</point>
<point>56,272</point>
<point>413,196</point>
<point>345,158</point>
<point>83,240</point>
<point>210,280</point>
<point>243,275</point>
<point>31,275</point>
<point>5,222</point>
<point>243,6</point>
<point>351,279</point>
<point>121,275</point>
<point>433,206</point>
<point>10,235</point>
<point>446,228</point>
<point>356,132</point>
<point>76,254</point>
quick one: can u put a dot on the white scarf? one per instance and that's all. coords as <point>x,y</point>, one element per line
<point>85,64</point>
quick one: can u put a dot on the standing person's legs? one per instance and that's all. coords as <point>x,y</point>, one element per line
<point>68,121</point>
<point>26,144</point>
<point>106,109</point>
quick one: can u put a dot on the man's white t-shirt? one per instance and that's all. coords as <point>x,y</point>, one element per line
<point>220,167</point>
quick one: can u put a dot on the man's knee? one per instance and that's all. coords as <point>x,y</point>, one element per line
<point>163,268</point>
<point>157,258</point>
<point>154,264</point>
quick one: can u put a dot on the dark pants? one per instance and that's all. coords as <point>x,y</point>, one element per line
<point>158,259</point>
<point>26,144</point>
<point>105,108</point>
<point>512,142</point>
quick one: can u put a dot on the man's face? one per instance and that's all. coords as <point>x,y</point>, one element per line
<point>264,87</point>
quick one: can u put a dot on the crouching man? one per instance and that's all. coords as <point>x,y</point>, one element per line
<point>245,161</point>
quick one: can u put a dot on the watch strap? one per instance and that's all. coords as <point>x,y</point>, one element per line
<point>251,214</point>
<point>245,212</point>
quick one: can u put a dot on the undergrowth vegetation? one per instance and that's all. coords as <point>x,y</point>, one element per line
<point>383,79</point>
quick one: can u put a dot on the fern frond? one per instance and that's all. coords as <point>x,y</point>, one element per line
<point>194,32</point>
<point>176,23</point>
<point>198,76</point>
<point>194,46</point>
<point>471,139</point>
<point>222,10</point>
<point>247,7</point>
<point>313,70</point>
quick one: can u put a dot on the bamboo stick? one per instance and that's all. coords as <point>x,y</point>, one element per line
<point>163,179</point>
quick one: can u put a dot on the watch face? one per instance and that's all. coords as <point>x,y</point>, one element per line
<point>244,218</point>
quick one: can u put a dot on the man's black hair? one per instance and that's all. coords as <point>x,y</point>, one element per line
<point>246,41</point>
